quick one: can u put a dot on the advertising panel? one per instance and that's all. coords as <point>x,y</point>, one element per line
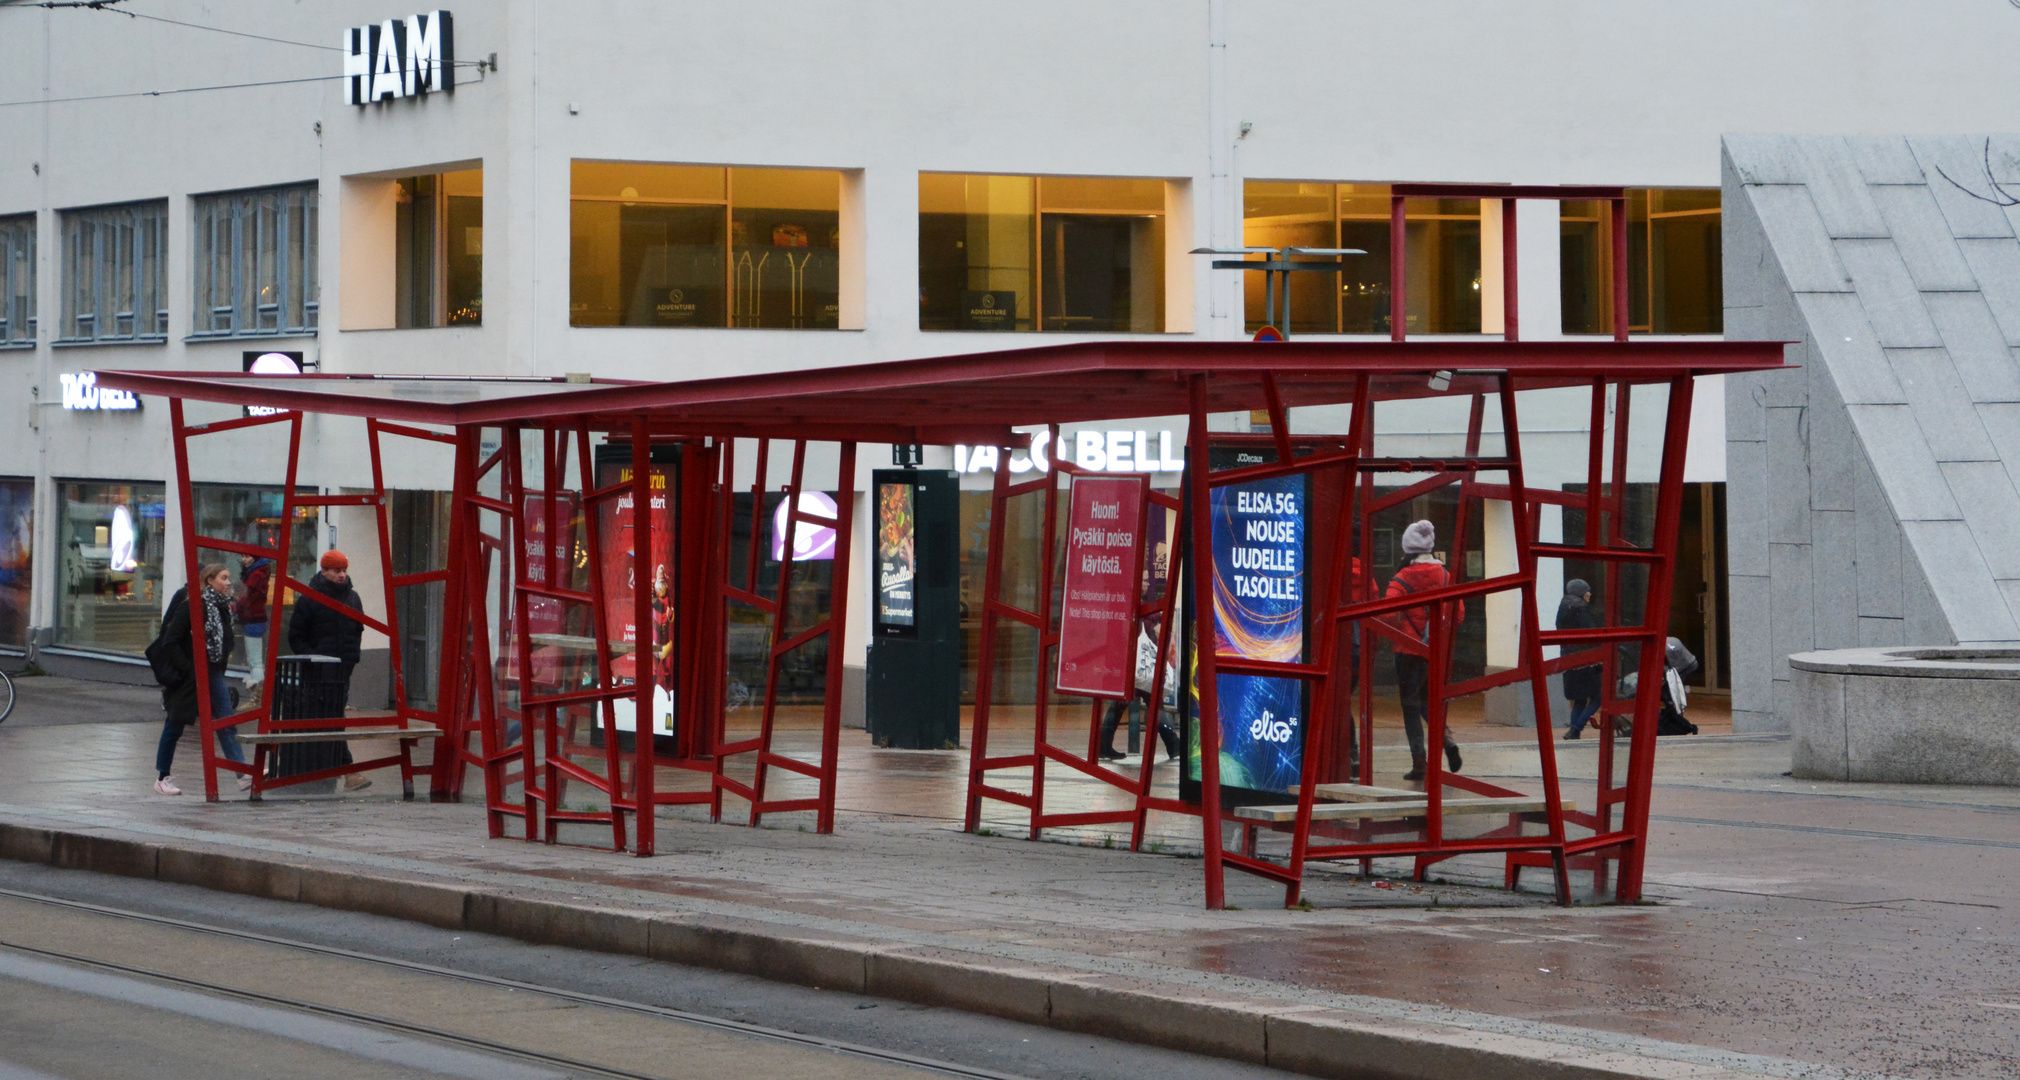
<point>1259,554</point>
<point>619,590</point>
<point>1104,570</point>
<point>897,562</point>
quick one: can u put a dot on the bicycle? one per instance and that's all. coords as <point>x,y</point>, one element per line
<point>6,696</point>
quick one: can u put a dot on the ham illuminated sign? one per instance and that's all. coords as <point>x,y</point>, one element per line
<point>400,58</point>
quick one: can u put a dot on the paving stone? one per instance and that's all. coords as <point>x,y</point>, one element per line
<point>1844,344</point>
<point>1788,490</point>
<point>1965,584</point>
<point>1923,238</point>
<point>1766,159</point>
<point>1800,244</point>
<point>1879,633</point>
<point>1942,407</point>
<point>1903,463</point>
<point>1747,493</point>
<point>1991,509</point>
<point>1887,293</point>
<point>1878,552</point>
<point>1996,265</point>
<point>1884,159</point>
<point>1978,349</point>
<point>1961,187</point>
<point>1835,594</point>
<point>1832,449</point>
<point>1837,189</point>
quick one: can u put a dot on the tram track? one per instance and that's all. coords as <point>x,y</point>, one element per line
<point>464,1041</point>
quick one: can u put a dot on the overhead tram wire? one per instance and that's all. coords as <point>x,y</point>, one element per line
<point>106,6</point>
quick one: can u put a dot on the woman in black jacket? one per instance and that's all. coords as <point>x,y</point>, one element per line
<point>180,700</point>
<point>1581,685</point>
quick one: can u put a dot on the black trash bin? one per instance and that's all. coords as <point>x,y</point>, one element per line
<point>310,687</point>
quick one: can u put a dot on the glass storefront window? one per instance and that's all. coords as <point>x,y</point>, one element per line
<point>252,515</point>
<point>17,544</point>
<point>695,245</point>
<point>1675,281</point>
<point>1041,253</point>
<point>438,259</point>
<point>110,539</point>
<point>1441,257</point>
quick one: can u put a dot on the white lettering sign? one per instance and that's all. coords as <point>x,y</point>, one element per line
<point>1094,451</point>
<point>400,58</point>
<point>81,394</point>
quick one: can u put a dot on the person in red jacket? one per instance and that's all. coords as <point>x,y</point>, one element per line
<point>1413,654</point>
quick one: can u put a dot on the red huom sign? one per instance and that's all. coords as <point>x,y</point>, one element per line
<point>1104,567</point>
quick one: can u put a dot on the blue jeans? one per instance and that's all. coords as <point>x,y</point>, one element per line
<point>1582,712</point>
<point>227,739</point>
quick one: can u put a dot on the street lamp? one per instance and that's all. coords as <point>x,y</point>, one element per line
<point>1271,266</point>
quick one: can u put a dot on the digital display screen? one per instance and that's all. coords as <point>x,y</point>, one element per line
<point>897,559</point>
<point>1259,549</point>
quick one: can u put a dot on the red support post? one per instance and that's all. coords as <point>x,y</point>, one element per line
<point>838,623</point>
<point>642,673</point>
<point>1201,527</point>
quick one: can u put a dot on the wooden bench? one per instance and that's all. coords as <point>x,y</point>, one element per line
<point>277,738</point>
<point>1397,808</point>
<point>406,735</point>
<point>1363,793</point>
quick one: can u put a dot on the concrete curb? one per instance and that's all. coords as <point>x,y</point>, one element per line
<point>1306,1039</point>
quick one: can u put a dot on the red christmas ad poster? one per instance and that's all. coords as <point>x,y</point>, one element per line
<point>620,542</point>
<point>1104,566</point>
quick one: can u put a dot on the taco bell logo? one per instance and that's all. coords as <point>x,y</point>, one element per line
<point>400,58</point>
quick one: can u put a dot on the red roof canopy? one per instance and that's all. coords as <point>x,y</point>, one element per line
<point>973,398</point>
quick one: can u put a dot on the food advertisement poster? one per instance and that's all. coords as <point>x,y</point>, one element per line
<point>897,562</point>
<point>1104,569</point>
<point>619,592</point>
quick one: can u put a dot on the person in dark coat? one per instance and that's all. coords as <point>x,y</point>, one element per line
<point>180,700</point>
<point>1581,685</point>
<point>317,630</point>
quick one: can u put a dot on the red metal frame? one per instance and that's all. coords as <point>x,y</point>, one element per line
<point>261,715</point>
<point>978,400</point>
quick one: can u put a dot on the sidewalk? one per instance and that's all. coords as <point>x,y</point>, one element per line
<point>1866,928</point>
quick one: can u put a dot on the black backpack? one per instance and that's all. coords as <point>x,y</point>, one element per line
<point>161,652</point>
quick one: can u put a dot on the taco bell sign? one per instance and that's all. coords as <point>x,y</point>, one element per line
<point>400,58</point>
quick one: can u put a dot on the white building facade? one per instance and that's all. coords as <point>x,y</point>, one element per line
<point>674,191</point>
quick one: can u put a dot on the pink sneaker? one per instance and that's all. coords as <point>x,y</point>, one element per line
<point>166,786</point>
<point>244,782</point>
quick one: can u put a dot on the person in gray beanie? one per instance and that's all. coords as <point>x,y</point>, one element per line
<point>1581,685</point>
<point>1413,650</point>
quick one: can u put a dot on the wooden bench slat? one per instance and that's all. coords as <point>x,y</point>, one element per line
<point>1364,793</point>
<point>342,735</point>
<point>1379,811</point>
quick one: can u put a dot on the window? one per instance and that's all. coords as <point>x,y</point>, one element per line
<point>1041,253</point>
<point>111,538</point>
<point>114,267</point>
<point>17,546</point>
<point>704,245</point>
<point>17,280</point>
<point>256,263</point>
<point>1674,276</point>
<point>251,514</point>
<point>438,259</point>
<point>1441,256</point>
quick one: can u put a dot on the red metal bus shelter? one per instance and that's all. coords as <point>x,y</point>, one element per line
<point>568,684</point>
